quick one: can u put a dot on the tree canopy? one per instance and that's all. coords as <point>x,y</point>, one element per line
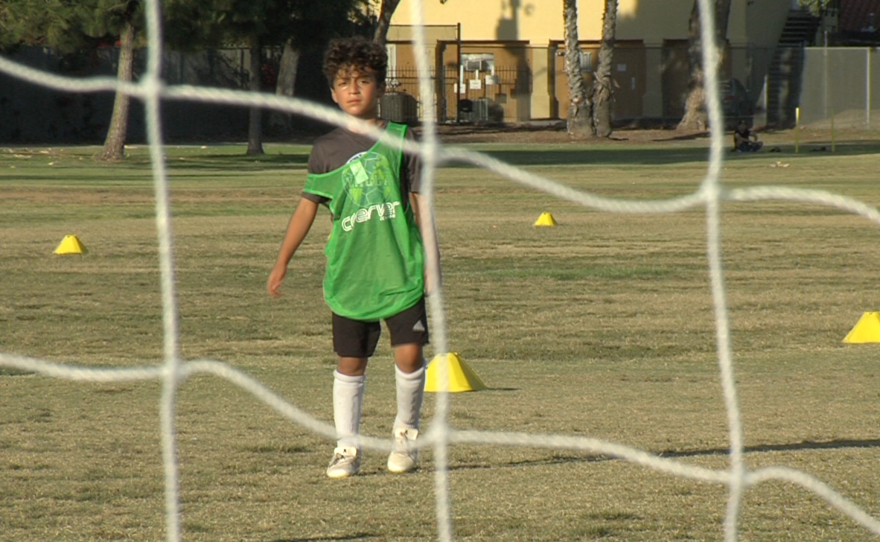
<point>66,25</point>
<point>71,25</point>
<point>256,24</point>
<point>196,24</point>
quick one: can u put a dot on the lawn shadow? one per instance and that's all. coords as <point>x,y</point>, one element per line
<point>501,389</point>
<point>555,460</point>
<point>663,154</point>
<point>588,156</point>
<point>836,444</point>
<point>12,371</point>
<point>561,459</point>
<point>356,536</point>
<point>694,136</point>
<point>238,162</point>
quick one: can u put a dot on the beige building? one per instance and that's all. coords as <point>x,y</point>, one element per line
<point>503,59</point>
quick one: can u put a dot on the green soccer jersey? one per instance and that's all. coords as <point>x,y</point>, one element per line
<point>375,259</point>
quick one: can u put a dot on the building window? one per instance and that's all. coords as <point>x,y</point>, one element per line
<point>482,62</point>
<point>586,61</point>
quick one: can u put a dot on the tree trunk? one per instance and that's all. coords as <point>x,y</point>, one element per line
<point>114,144</point>
<point>384,22</point>
<point>285,86</point>
<point>287,71</point>
<point>695,114</point>
<point>255,125</point>
<point>579,108</point>
<point>602,82</point>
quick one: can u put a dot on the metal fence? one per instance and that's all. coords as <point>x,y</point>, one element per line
<point>776,87</point>
<point>840,84</point>
<point>460,95</point>
<point>814,86</point>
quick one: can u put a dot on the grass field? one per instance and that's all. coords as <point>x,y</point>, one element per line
<point>600,327</point>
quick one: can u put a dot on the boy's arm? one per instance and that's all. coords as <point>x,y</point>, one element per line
<point>425,221</point>
<point>300,224</point>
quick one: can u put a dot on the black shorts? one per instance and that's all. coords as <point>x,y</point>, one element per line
<point>357,339</point>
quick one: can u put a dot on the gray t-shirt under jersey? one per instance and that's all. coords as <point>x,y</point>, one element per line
<point>334,150</point>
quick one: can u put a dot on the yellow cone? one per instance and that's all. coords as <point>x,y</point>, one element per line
<point>866,330</point>
<point>71,245</point>
<point>546,219</point>
<point>461,376</point>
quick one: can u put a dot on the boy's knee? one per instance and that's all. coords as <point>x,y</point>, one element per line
<point>409,357</point>
<point>351,366</point>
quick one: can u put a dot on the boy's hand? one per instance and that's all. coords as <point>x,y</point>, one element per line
<point>297,229</point>
<point>276,277</point>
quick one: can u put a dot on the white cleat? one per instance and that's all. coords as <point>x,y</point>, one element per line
<point>346,462</point>
<point>404,455</point>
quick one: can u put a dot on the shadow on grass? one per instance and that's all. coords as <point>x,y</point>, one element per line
<point>357,536</point>
<point>238,161</point>
<point>560,459</point>
<point>837,444</point>
<point>663,154</point>
<point>9,371</point>
<point>545,157</point>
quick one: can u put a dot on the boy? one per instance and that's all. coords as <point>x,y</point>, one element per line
<point>375,260</point>
<point>744,140</point>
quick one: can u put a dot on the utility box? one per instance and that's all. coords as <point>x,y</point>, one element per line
<point>474,110</point>
<point>399,107</point>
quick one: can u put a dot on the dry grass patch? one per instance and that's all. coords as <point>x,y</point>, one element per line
<point>600,327</point>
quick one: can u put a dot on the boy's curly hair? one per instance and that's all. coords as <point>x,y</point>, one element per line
<point>346,53</point>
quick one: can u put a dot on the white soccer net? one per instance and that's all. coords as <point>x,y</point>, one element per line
<point>440,435</point>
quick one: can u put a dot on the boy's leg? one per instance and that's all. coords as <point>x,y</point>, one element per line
<point>348,399</point>
<point>348,396</point>
<point>410,393</point>
<point>409,333</point>
<point>409,373</point>
<point>354,342</point>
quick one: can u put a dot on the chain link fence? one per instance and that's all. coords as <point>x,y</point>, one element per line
<point>840,85</point>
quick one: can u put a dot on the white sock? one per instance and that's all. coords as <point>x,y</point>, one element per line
<point>348,399</point>
<point>410,392</point>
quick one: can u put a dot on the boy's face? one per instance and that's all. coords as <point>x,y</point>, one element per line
<point>357,93</point>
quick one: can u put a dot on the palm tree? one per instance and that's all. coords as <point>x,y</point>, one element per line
<point>579,108</point>
<point>695,116</point>
<point>602,81</point>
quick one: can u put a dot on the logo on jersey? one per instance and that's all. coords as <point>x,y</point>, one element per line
<point>369,183</point>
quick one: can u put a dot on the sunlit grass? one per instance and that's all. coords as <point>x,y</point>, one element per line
<point>602,327</point>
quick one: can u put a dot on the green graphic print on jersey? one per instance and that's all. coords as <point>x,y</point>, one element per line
<point>375,260</point>
<point>367,179</point>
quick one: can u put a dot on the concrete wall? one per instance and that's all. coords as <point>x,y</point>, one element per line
<point>650,71</point>
<point>541,21</point>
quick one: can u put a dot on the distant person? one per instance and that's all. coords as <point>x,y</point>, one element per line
<point>744,140</point>
<point>375,254</point>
